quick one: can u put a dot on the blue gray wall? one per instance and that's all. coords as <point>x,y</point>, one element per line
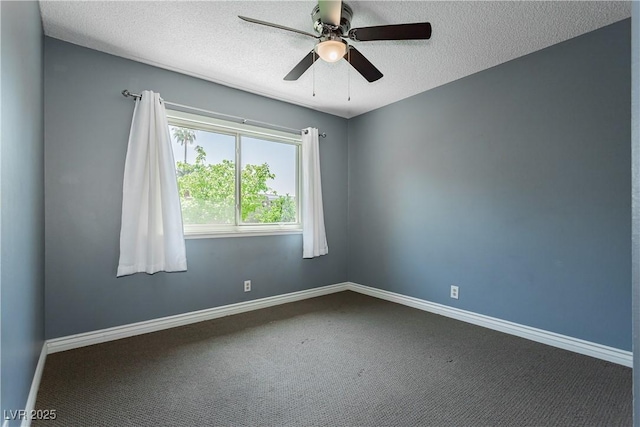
<point>635,168</point>
<point>22,198</point>
<point>513,183</point>
<point>87,124</point>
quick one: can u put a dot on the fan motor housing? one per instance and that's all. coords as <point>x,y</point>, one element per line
<point>323,29</point>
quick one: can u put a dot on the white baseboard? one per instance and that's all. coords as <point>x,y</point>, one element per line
<point>621,357</point>
<point>35,385</point>
<point>576,345</point>
<point>95,337</point>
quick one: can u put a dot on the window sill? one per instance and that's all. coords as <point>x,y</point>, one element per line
<point>236,233</point>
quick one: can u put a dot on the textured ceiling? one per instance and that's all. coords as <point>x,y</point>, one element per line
<point>207,40</point>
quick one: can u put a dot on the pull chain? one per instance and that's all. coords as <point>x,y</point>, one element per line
<point>349,74</point>
<point>313,64</point>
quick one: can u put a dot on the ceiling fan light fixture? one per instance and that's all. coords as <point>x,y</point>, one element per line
<point>331,50</point>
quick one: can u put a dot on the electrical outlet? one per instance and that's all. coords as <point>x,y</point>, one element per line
<point>454,292</point>
<point>247,285</point>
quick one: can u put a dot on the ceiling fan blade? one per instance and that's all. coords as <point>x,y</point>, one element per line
<point>417,31</point>
<point>362,65</point>
<point>302,66</point>
<point>330,11</point>
<point>281,27</point>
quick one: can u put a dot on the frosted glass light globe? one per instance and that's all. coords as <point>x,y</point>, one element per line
<point>331,50</point>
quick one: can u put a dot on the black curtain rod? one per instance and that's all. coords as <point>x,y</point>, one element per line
<point>128,94</point>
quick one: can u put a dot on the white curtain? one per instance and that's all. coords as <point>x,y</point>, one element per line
<point>314,239</point>
<point>151,237</point>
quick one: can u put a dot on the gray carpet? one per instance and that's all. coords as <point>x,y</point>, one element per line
<point>341,359</point>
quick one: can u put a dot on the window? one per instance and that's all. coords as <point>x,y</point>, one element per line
<point>235,179</point>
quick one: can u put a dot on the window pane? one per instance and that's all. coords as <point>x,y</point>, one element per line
<point>268,181</point>
<point>205,166</point>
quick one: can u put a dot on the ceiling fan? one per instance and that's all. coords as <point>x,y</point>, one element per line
<point>332,24</point>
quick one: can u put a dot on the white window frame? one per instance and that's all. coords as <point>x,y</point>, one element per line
<point>210,124</point>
